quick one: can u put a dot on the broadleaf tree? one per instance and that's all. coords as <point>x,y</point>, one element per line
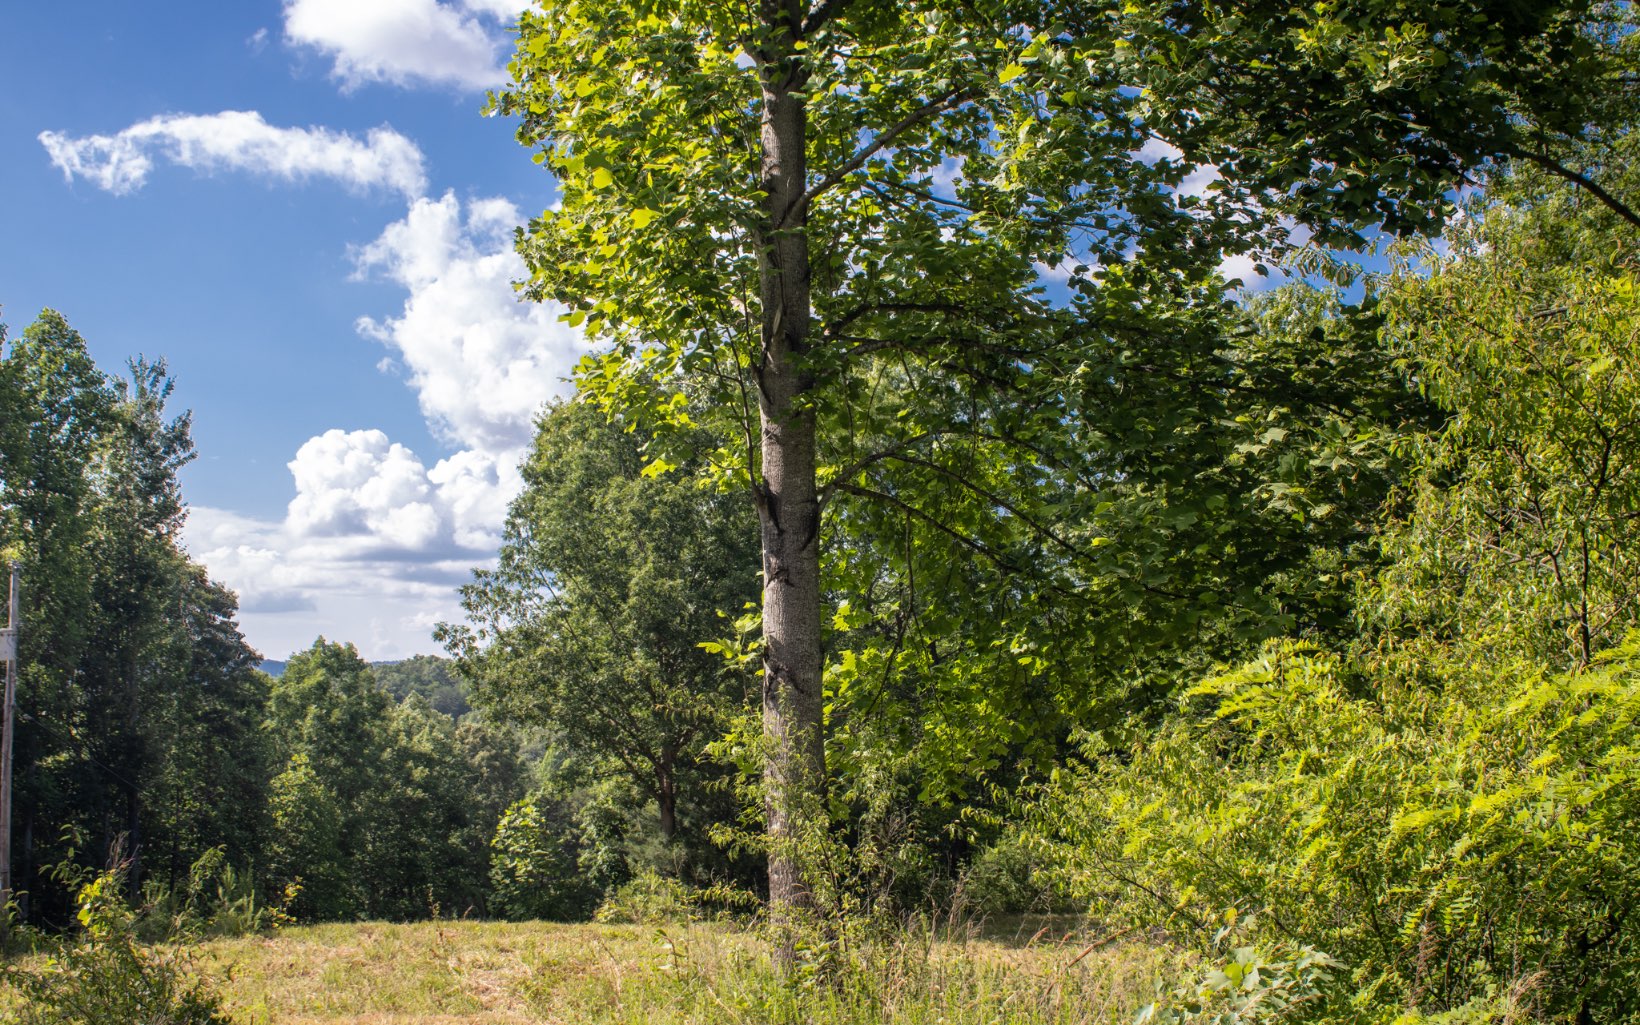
<point>833,220</point>
<point>591,626</point>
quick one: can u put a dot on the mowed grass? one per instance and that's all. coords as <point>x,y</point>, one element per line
<point>454,973</point>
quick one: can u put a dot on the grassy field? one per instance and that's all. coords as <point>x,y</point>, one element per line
<point>454,973</point>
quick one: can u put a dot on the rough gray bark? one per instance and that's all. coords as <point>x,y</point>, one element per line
<point>787,497</point>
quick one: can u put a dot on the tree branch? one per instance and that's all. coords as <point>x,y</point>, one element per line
<point>1040,529</point>
<point>881,142</point>
<point>958,536</point>
<point>1580,180</point>
<point>922,194</point>
<point>822,13</point>
<point>868,308</point>
<point>875,457</point>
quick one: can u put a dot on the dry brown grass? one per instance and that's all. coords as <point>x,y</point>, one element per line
<point>483,973</point>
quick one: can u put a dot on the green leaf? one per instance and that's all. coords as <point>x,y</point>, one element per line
<point>1010,73</point>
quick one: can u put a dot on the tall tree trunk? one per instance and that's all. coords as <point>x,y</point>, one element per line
<point>666,791</point>
<point>134,764</point>
<point>29,875</point>
<point>788,503</point>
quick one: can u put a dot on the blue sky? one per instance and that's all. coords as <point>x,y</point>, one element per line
<point>299,206</point>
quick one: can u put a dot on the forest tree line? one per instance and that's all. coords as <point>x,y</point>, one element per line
<point>147,737</point>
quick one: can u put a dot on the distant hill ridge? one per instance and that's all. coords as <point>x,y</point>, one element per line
<point>430,676</point>
<point>276,667</point>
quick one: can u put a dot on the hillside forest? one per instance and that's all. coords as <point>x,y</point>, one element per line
<point>1165,465</point>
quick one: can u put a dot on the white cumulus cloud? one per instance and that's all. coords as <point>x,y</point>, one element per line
<point>376,542</point>
<point>373,548</point>
<point>239,140</point>
<point>481,362</point>
<point>475,489</point>
<point>406,42</point>
<point>360,485</point>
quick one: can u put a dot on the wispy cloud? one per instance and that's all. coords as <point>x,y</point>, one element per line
<point>239,140</point>
<point>407,42</point>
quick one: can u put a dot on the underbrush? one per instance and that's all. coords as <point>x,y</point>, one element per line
<point>1460,837</point>
<point>104,973</point>
<point>677,956</point>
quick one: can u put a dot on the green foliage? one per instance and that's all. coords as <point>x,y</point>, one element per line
<point>105,975</point>
<point>430,678</point>
<point>306,840</point>
<point>877,866</point>
<point>1440,829</point>
<point>1225,490</point>
<point>1246,985</point>
<point>536,863</point>
<point>650,898</point>
<point>1518,534</point>
<point>908,412</point>
<point>1028,507</point>
<point>812,237</point>
<point>814,243</point>
<point>1004,878</point>
<point>1359,113</point>
<point>383,810</point>
<point>215,899</point>
<point>591,628</point>
<point>142,710</point>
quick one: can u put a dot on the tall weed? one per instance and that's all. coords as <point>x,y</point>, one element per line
<point>214,899</point>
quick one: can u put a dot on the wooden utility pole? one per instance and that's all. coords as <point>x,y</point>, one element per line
<point>8,705</point>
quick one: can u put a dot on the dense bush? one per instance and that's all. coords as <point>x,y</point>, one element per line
<point>1246,985</point>
<point>535,862</point>
<point>1451,835</point>
<point>214,899</point>
<point>104,975</point>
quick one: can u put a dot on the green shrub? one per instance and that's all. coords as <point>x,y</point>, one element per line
<point>1456,834</point>
<point>215,899</point>
<point>1003,879</point>
<point>650,898</point>
<point>1247,985</point>
<point>103,975</point>
<point>535,865</point>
